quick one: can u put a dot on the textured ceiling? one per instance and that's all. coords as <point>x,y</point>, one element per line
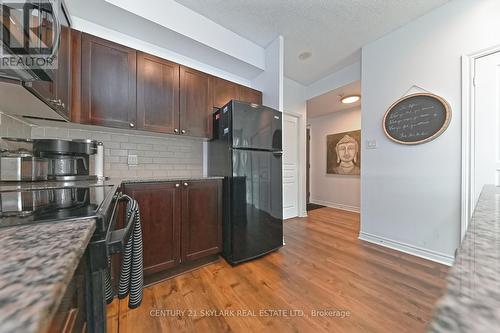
<point>330,101</point>
<point>333,30</point>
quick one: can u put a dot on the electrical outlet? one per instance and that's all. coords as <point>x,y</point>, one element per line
<point>371,144</point>
<point>132,160</point>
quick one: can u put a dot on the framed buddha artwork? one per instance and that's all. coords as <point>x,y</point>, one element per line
<point>343,153</point>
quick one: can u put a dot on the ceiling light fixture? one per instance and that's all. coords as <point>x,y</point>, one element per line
<point>305,55</point>
<point>350,99</point>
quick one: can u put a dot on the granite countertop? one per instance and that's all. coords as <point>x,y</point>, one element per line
<point>167,179</point>
<point>471,302</point>
<point>38,262</point>
<point>16,186</point>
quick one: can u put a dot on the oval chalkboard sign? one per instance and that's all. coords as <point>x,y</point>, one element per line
<point>417,118</point>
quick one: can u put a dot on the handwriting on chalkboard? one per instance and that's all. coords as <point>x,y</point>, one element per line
<point>416,118</point>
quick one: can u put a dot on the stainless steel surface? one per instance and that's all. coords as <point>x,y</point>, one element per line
<point>66,165</point>
<point>17,139</point>
<point>23,168</point>
<point>74,178</point>
<point>22,203</point>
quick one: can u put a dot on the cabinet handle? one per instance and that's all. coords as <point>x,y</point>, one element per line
<point>186,184</point>
<point>176,131</point>
<point>177,185</point>
<point>183,132</point>
<point>132,125</point>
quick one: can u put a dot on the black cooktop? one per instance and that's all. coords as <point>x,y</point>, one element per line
<point>54,204</point>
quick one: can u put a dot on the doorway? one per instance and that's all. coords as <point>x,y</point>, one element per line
<point>487,126</point>
<point>481,128</point>
<point>290,166</point>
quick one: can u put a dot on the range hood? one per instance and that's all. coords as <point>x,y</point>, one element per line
<point>15,99</point>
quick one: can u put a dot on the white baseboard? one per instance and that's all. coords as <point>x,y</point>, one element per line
<point>335,205</point>
<point>407,248</point>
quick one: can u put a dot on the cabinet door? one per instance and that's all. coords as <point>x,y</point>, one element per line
<point>250,95</point>
<point>157,94</point>
<point>160,206</point>
<point>108,83</point>
<point>63,73</point>
<point>201,219</point>
<point>195,103</point>
<point>224,91</point>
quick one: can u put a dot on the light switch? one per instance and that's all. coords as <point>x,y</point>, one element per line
<point>371,144</point>
<point>132,160</point>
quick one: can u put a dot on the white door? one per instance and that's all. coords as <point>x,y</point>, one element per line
<point>290,166</point>
<point>486,149</point>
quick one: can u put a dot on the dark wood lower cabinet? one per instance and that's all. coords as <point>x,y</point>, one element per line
<point>71,316</point>
<point>160,206</point>
<point>201,219</point>
<point>181,222</point>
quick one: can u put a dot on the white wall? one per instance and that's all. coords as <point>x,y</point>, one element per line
<point>333,81</point>
<point>337,191</point>
<point>271,81</point>
<point>295,105</point>
<point>176,17</point>
<point>410,195</point>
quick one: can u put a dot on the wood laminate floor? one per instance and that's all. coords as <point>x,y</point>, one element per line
<point>361,287</point>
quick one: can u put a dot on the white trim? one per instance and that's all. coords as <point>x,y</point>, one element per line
<point>298,116</point>
<point>336,205</point>
<point>302,209</point>
<point>468,135</point>
<point>408,248</point>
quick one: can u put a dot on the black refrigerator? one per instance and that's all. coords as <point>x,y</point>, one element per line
<point>246,150</point>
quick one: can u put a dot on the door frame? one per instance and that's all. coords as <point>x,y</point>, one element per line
<point>468,133</point>
<point>308,164</point>
<point>301,123</point>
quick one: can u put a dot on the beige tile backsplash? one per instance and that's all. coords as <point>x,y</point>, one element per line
<point>158,155</point>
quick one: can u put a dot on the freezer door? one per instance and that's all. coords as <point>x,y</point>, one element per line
<point>255,126</point>
<point>256,204</point>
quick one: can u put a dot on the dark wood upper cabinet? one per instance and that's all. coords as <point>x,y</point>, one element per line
<point>116,86</point>
<point>108,89</point>
<point>201,219</point>
<point>157,94</point>
<point>250,95</point>
<point>195,102</point>
<point>63,74</point>
<point>76,76</point>
<point>160,205</point>
<point>224,91</point>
